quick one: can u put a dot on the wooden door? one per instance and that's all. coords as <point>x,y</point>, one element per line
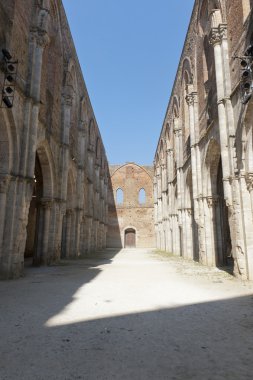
<point>130,241</point>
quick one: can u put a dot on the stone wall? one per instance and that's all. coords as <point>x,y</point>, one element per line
<point>53,168</point>
<point>130,211</point>
<point>203,163</point>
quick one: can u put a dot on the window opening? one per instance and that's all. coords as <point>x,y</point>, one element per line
<point>119,197</point>
<point>142,196</point>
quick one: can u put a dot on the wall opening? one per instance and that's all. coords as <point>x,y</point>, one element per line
<point>119,197</point>
<point>142,197</point>
<point>130,238</point>
<point>34,211</point>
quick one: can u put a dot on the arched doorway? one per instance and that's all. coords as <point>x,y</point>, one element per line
<point>34,211</point>
<point>39,217</point>
<point>130,238</point>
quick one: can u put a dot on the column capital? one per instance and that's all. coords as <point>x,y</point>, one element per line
<point>68,95</point>
<point>188,210</point>
<point>4,183</point>
<point>212,201</point>
<point>40,37</point>
<point>217,34</point>
<point>46,203</point>
<point>191,98</point>
<point>178,131</point>
<point>249,181</point>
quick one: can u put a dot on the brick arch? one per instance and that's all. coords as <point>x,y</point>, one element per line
<point>83,110</point>
<point>187,79</point>
<point>187,72</point>
<point>9,144</point>
<point>133,231</point>
<point>48,169</point>
<point>142,196</point>
<point>210,169</point>
<point>98,149</point>
<point>133,164</point>
<point>92,134</point>
<point>204,12</point>
<point>162,149</point>
<point>175,106</point>
<point>189,189</point>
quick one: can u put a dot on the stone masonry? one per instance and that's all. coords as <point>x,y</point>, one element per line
<point>203,164</point>
<point>131,207</point>
<point>58,197</point>
<point>53,167</point>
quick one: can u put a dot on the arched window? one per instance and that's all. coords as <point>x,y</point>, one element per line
<point>119,197</point>
<point>142,197</point>
<point>186,129</point>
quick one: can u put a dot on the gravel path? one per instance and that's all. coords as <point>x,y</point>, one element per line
<point>131,314</point>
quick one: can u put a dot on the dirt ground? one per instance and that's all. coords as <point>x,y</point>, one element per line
<point>133,314</point>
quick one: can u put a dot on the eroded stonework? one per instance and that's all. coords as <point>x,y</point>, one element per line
<point>131,207</point>
<point>203,162</point>
<point>53,167</point>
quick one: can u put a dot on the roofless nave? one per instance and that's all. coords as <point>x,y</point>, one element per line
<point>55,181</point>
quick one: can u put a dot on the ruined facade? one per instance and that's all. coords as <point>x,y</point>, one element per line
<point>53,167</point>
<point>204,161</point>
<point>131,207</point>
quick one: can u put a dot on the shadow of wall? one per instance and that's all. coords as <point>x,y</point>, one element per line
<point>113,239</point>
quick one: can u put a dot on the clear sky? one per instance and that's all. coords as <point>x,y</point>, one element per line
<point>129,52</point>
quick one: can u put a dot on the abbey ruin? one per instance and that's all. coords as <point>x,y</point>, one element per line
<point>53,168</point>
<point>203,163</point>
<point>58,194</point>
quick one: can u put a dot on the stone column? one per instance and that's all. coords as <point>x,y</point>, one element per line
<point>69,214</point>
<point>83,238</point>
<point>210,226</point>
<point>180,186</point>
<point>46,206</point>
<point>192,100</point>
<point>39,40</point>
<point>218,38</point>
<point>246,194</point>
<point>164,204</point>
<point>59,230</point>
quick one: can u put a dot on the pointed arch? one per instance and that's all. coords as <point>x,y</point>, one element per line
<point>119,196</point>
<point>92,136</point>
<point>48,169</point>
<point>211,163</point>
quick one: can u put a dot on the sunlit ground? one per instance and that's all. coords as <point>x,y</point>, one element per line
<point>135,282</point>
<point>126,315</point>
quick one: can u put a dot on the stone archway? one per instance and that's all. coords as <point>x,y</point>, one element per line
<point>39,217</point>
<point>130,238</point>
<point>217,229</point>
<point>33,216</point>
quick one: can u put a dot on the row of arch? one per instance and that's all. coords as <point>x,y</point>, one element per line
<point>53,168</point>
<point>201,176</point>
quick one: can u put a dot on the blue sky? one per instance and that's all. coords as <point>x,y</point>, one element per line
<point>129,52</point>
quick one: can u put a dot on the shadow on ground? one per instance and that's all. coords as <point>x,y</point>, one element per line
<point>206,341</point>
